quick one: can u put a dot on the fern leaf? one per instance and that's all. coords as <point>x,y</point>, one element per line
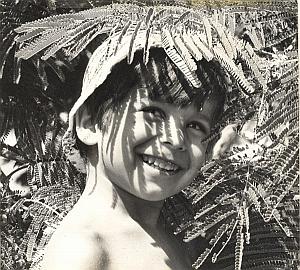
<point>254,39</point>
<point>239,246</point>
<point>204,210</point>
<point>275,121</point>
<point>169,47</point>
<point>132,42</point>
<point>281,190</point>
<point>185,54</point>
<point>223,38</point>
<point>78,31</point>
<point>17,70</point>
<point>248,55</point>
<point>4,52</point>
<point>280,93</point>
<point>190,45</point>
<point>147,45</point>
<point>285,162</point>
<point>29,35</point>
<point>253,198</point>
<point>182,17</point>
<point>291,77</point>
<point>42,42</point>
<point>207,27</point>
<point>148,22</point>
<point>220,232</point>
<point>230,230</point>
<point>36,224</point>
<point>233,70</point>
<point>75,49</point>
<point>200,260</point>
<point>55,21</point>
<point>122,34</point>
<point>149,16</point>
<point>282,224</point>
<point>289,98</point>
<point>202,48</point>
<point>213,220</point>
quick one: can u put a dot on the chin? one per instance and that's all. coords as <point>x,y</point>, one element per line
<point>155,196</point>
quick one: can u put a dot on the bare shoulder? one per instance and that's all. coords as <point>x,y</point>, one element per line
<point>76,250</point>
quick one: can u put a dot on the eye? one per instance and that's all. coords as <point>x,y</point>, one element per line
<point>198,126</point>
<point>154,112</point>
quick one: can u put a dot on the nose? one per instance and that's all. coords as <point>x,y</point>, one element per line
<point>173,135</point>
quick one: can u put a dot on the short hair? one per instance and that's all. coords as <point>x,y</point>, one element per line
<point>163,79</point>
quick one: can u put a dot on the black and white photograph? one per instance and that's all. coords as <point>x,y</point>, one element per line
<point>149,135</point>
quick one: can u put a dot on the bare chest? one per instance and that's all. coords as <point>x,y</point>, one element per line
<point>138,251</point>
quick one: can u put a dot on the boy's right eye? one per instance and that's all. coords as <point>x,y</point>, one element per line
<point>154,112</point>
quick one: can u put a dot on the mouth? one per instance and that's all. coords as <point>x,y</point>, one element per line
<point>165,166</point>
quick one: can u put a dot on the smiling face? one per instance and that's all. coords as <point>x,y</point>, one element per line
<point>151,142</point>
<point>153,149</point>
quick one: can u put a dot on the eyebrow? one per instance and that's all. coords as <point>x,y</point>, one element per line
<point>199,113</point>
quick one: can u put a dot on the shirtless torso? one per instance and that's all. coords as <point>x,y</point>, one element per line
<point>105,239</point>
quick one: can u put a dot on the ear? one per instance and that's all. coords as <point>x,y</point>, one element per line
<point>87,131</point>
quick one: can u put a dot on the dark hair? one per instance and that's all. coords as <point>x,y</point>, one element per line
<point>163,79</point>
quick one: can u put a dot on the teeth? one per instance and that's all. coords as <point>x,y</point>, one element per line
<point>159,163</point>
<point>150,160</point>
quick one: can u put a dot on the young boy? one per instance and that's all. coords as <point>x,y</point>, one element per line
<point>142,132</point>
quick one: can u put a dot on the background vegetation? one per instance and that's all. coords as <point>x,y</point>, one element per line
<point>244,206</point>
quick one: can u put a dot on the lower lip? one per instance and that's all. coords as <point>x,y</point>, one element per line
<point>161,171</point>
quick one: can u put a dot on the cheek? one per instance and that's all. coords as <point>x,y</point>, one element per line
<point>197,154</point>
<point>142,129</point>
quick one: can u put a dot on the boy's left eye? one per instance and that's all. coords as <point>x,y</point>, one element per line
<point>154,112</point>
<point>198,126</point>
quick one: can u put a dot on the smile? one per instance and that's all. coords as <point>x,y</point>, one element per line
<point>161,164</point>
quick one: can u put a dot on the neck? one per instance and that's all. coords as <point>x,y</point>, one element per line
<point>108,195</point>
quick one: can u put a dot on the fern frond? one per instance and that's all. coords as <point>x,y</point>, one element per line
<point>169,47</point>
<point>220,232</point>
<point>281,190</point>
<point>5,49</point>
<point>204,210</point>
<point>202,48</point>
<point>247,54</point>
<point>254,39</point>
<point>207,28</point>
<point>148,23</point>
<point>122,34</point>
<point>185,54</point>
<point>131,50</point>
<point>281,92</point>
<point>190,45</point>
<point>79,32</point>
<point>239,246</point>
<point>224,40</point>
<point>40,43</point>
<point>280,117</point>
<point>233,70</point>
<point>290,77</point>
<point>285,161</point>
<point>200,260</point>
<point>229,232</point>
<point>214,219</point>
<point>282,224</point>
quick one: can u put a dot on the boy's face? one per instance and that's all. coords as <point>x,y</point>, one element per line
<point>153,149</point>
